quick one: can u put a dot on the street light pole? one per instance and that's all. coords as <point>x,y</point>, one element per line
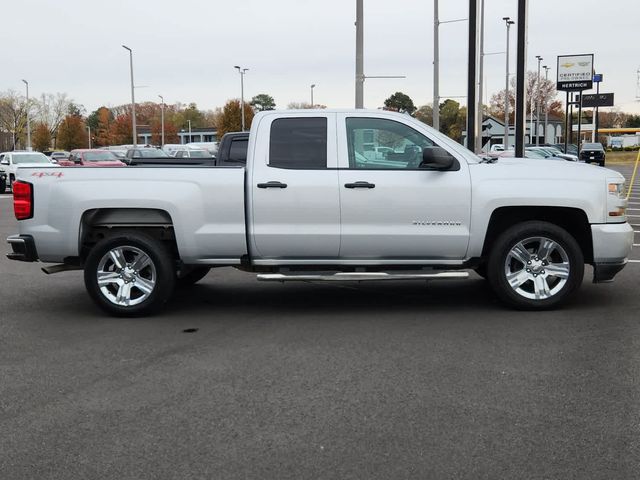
<point>480,112</point>
<point>162,119</point>
<point>546,106</point>
<point>28,119</point>
<point>359,54</point>
<point>436,66</point>
<point>241,71</point>
<point>89,131</point>
<point>190,131</point>
<point>312,87</point>
<point>133,99</point>
<point>538,102</point>
<point>505,142</point>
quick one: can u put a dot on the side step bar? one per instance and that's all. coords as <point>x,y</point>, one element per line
<point>359,276</point>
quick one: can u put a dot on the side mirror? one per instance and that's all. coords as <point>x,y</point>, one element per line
<point>437,158</point>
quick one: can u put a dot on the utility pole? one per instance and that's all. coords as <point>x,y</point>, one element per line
<point>505,142</point>
<point>359,54</point>
<point>472,127</point>
<point>89,130</point>
<point>538,102</point>
<point>312,87</point>
<point>162,120</point>
<point>436,66</point>
<point>480,112</point>
<point>521,68</point>
<point>546,107</point>
<point>242,72</point>
<point>133,99</point>
<point>28,119</point>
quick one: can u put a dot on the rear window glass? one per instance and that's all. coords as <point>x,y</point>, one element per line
<point>299,143</point>
<point>30,158</point>
<point>592,146</point>
<point>238,151</point>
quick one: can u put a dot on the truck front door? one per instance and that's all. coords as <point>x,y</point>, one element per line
<point>391,208</point>
<point>294,194</point>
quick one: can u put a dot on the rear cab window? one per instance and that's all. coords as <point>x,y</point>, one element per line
<point>298,143</point>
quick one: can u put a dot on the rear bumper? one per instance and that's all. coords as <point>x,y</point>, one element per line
<point>23,248</point>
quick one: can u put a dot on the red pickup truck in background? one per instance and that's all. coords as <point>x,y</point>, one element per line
<point>91,158</point>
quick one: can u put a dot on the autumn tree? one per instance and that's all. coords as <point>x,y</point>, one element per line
<point>41,140</point>
<point>231,119</point>
<point>263,102</point>
<point>122,129</point>
<point>72,133</point>
<point>400,102</point>
<point>51,109</point>
<point>170,132</point>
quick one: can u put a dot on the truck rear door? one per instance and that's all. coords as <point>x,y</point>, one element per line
<point>293,188</point>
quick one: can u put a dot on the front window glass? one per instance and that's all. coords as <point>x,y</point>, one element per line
<point>378,144</point>
<point>104,156</point>
<point>30,158</point>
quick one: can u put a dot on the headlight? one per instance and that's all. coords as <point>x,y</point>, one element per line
<point>616,201</point>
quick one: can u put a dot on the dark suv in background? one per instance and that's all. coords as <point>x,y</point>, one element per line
<point>592,152</point>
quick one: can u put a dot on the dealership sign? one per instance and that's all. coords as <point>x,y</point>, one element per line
<point>575,72</point>
<point>596,100</point>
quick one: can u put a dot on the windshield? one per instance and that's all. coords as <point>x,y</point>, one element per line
<point>30,158</point>
<point>99,156</point>
<point>199,154</point>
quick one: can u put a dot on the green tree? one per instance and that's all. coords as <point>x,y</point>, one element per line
<point>425,114</point>
<point>263,102</point>
<point>41,137</point>
<point>231,120</point>
<point>400,102</point>
<point>191,113</point>
<point>71,133</point>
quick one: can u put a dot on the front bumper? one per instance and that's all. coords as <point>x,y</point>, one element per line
<point>612,243</point>
<point>23,248</point>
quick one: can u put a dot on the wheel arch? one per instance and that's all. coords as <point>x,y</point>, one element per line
<point>573,220</point>
<point>100,223</point>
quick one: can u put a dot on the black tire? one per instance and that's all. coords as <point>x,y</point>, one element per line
<point>158,275</point>
<point>191,276</point>
<point>3,186</point>
<point>538,289</point>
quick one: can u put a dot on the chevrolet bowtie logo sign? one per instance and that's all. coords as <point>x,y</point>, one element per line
<point>567,65</point>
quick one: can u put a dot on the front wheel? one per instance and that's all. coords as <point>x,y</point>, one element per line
<point>535,266</point>
<point>129,274</point>
<point>3,185</point>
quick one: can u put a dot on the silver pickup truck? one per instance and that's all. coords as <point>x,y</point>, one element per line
<point>328,195</point>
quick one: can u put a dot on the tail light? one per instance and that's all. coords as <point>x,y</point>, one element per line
<point>22,200</point>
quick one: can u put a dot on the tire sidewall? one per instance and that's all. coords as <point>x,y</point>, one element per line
<point>517,233</point>
<point>159,255</point>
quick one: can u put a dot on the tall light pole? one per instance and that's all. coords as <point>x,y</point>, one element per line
<point>161,120</point>
<point>28,119</point>
<point>538,102</point>
<point>479,112</point>
<point>312,87</point>
<point>359,54</point>
<point>546,106</point>
<point>133,99</point>
<point>89,133</point>
<point>508,23</point>
<point>190,130</point>
<point>242,72</point>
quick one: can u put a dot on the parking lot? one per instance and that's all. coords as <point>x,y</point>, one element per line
<point>241,379</point>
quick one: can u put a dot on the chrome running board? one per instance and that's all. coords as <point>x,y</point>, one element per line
<point>359,276</point>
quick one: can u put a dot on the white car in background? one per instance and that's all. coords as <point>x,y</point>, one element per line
<point>11,161</point>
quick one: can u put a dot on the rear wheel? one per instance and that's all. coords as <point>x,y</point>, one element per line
<point>3,185</point>
<point>130,274</point>
<point>535,266</point>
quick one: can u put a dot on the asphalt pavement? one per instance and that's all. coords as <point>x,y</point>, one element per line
<point>238,379</point>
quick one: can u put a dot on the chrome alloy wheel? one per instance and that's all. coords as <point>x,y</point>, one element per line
<point>126,276</point>
<point>537,268</point>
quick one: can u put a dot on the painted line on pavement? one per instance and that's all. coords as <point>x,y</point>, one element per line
<point>634,261</point>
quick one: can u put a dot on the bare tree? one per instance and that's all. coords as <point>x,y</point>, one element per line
<point>51,110</point>
<point>13,114</point>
